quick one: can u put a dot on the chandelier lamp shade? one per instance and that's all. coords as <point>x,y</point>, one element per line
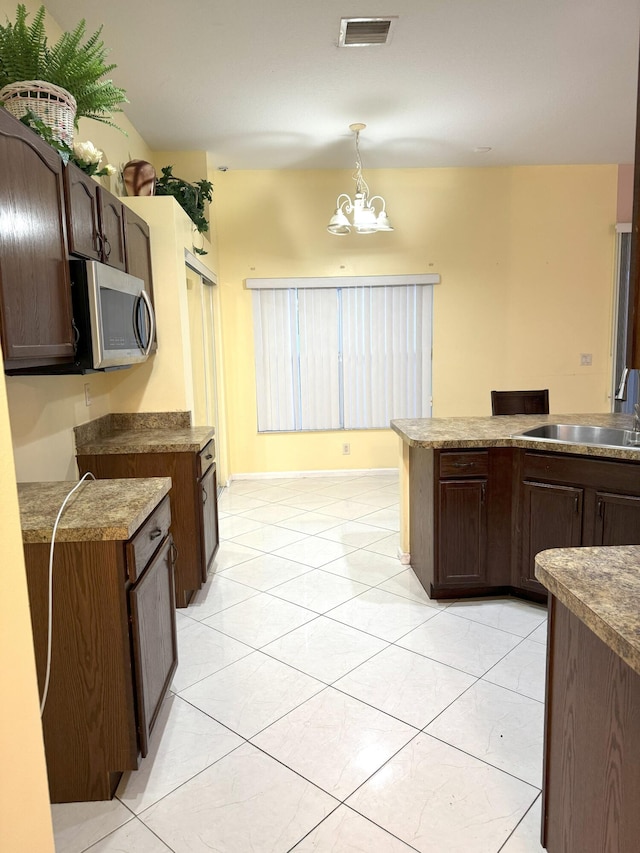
<point>367,213</point>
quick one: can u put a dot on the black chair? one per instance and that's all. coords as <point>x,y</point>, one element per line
<point>520,402</point>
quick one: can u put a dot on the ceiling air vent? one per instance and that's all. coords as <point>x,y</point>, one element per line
<point>365,32</point>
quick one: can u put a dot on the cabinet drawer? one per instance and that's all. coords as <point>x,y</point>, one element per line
<point>206,457</point>
<point>142,546</point>
<point>472,464</point>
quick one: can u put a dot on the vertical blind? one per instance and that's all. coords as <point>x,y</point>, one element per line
<point>342,358</point>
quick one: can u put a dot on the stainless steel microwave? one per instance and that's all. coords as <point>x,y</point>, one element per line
<point>113,317</point>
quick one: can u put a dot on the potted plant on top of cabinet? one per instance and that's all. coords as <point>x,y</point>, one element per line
<point>55,86</point>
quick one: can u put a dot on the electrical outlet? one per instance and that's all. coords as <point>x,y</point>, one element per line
<point>346,449</point>
<point>585,359</point>
<point>87,394</point>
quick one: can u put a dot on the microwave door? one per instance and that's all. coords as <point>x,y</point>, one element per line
<point>118,333</point>
<point>115,297</point>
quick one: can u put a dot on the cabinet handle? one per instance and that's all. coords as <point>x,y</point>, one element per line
<point>576,502</point>
<point>462,464</point>
<point>204,496</point>
<point>600,507</point>
<point>76,334</point>
<point>106,247</point>
<point>174,553</point>
<point>483,492</point>
<point>155,533</point>
<point>209,456</point>
<point>99,243</point>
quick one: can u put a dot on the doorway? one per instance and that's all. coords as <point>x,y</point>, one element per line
<point>201,305</point>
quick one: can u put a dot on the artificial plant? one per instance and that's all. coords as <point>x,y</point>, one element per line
<point>84,154</point>
<point>191,197</point>
<point>71,64</point>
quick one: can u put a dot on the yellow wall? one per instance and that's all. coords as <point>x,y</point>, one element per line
<point>163,383</point>
<point>526,260</point>
<point>25,819</point>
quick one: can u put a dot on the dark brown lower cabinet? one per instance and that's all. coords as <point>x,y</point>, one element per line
<point>551,518</point>
<point>114,653</point>
<point>591,784</point>
<point>194,504</point>
<point>617,520</point>
<point>460,520</point>
<point>478,517</point>
<point>153,635</point>
<point>462,541</point>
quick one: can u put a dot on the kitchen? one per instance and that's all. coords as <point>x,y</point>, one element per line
<point>497,236</point>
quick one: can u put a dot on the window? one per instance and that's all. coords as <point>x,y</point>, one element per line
<point>342,357</point>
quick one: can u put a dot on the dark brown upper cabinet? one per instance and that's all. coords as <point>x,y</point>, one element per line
<point>112,230</point>
<point>35,290</point>
<point>49,212</point>
<point>83,225</point>
<point>95,220</point>
<point>138,248</point>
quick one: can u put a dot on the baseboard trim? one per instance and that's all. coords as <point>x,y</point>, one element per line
<point>291,475</point>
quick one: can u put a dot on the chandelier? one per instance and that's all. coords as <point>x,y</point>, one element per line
<point>364,216</point>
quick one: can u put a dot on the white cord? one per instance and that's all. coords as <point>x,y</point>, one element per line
<point>50,608</point>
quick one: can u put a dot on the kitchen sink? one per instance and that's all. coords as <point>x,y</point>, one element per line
<point>577,434</point>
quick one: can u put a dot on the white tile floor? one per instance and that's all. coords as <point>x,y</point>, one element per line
<point>323,703</point>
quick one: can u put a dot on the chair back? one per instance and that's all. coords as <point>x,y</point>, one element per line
<point>520,402</point>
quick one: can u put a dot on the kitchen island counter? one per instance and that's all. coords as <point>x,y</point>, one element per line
<point>591,784</point>
<point>499,431</point>
<point>478,502</point>
<point>601,586</point>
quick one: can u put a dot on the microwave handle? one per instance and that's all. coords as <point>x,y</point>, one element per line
<point>152,320</point>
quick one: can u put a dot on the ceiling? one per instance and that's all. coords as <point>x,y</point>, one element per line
<point>261,84</point>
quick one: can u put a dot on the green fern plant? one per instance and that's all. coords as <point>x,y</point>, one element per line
<point>75,66</point>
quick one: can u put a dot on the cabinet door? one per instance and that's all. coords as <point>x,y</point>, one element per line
<point>209,497</point>
<point>153,630</point>
<point>462,539</point>
<point>138,248</point>
<point>112,230</point>
<point>138,252</point>
<point>83,225</point>
<point>551,518</point>
<point>617,519</point>
<point>35,288</point>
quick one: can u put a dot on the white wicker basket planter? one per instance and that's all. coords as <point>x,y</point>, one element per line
<point>51,104</point>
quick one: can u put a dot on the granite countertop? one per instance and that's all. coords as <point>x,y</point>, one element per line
<point>143,432</point>
<point>497,431</point>
<point>99,510</point>
<point>601,586</point>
